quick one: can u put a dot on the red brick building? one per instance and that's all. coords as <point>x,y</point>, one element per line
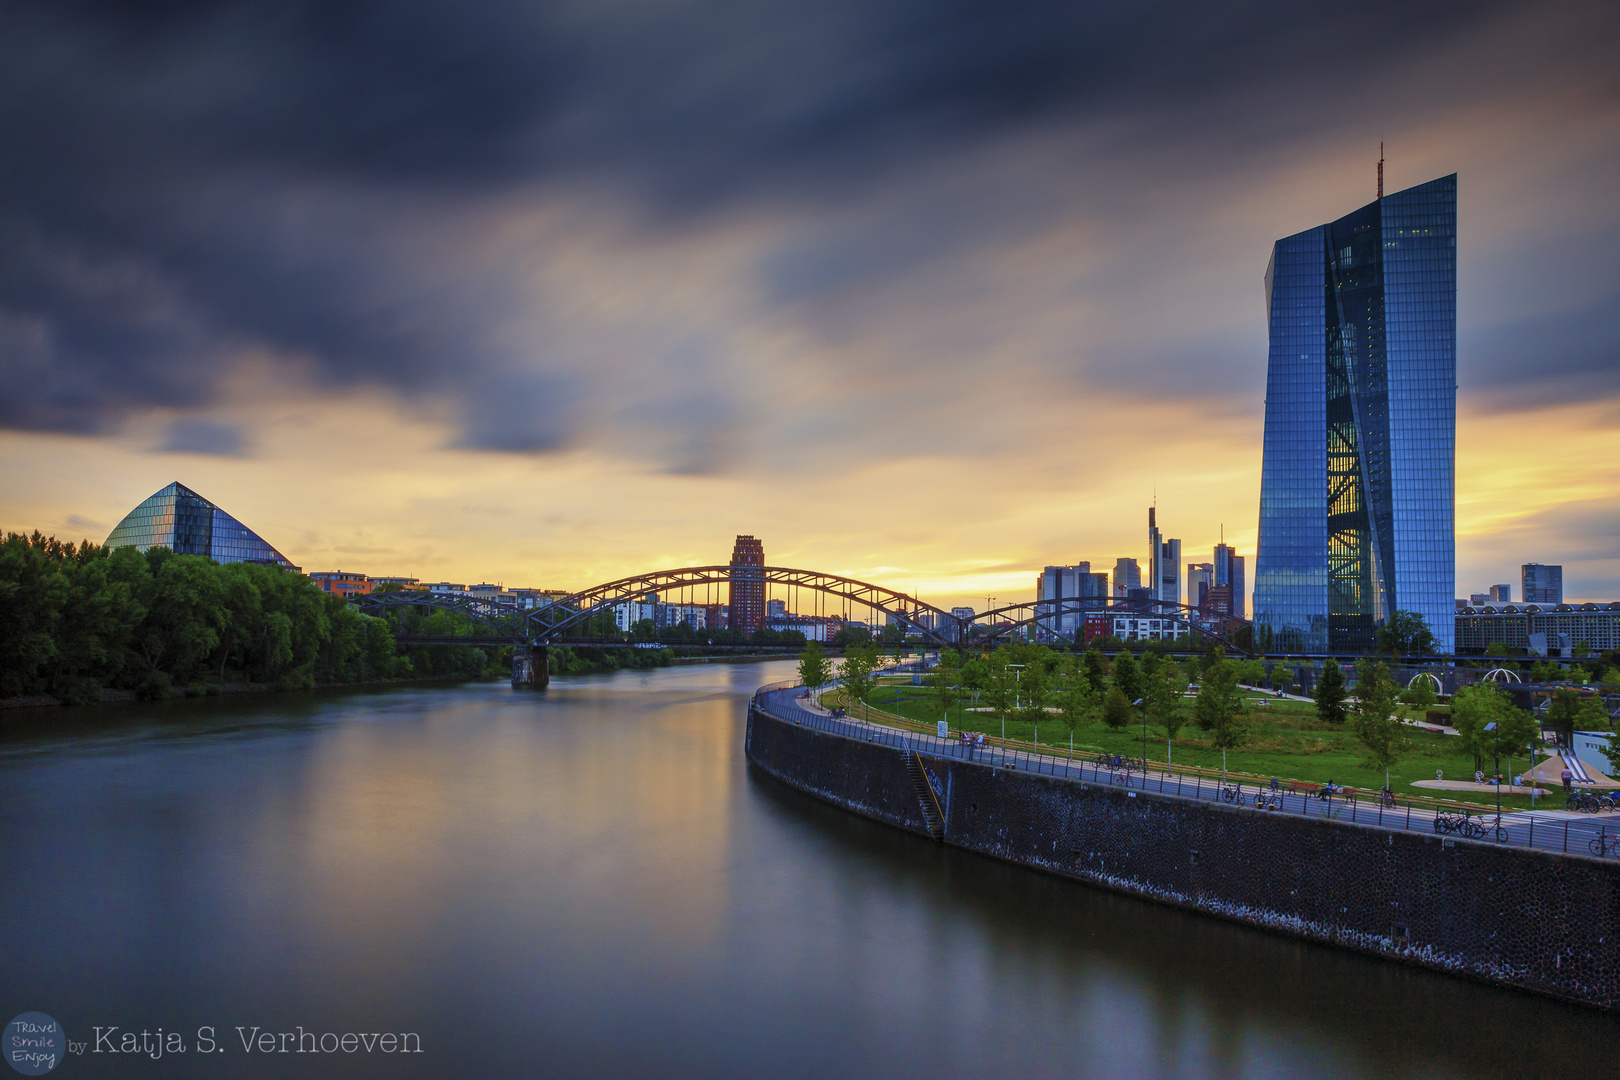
<point>747,585</point>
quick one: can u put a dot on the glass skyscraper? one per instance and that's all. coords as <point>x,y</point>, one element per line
<point>1357,485</point>
<point>188,524</point>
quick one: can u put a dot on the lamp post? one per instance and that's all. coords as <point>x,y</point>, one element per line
<point>1496,771</point>
<point>1018,679</point>
<point>1136,704</point>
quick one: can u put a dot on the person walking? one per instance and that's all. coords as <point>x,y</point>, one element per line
<point>1566,776</point>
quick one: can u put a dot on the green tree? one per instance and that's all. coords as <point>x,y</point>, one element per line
<point>860,661</point>
<point>1497,648</point>
<point>1251,673</point>
<point>1163,689</point>
<point>946,681</point>
<point>1128,676</point>
<point>1520,735</point>
<point>1407,633</point>
<point>1075,699</point>
<point>1330,694</point>
<point>1117,712</point>
<point>814,670</point>
<point>1096,671</point>
<point>1033,683</point>
<point>1000,686</point>
<point>1472,709</point>
<point>1569,710</point>
<point>1219,706</point>
<point>1374,722</point>
<point>1419,696</point>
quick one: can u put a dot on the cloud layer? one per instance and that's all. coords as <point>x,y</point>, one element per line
<point>723,238</point>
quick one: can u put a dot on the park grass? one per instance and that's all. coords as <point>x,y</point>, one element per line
<point>1286,741</point>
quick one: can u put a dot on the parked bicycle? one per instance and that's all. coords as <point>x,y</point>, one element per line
<point>1583,801</point>
<point>1386,799</point>
<point>1232,793</point>
<point>1458,822</point>
<point>1603,844</point>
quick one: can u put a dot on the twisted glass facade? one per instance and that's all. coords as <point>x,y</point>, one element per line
<point>1356,490</point>
<point>188,524</point>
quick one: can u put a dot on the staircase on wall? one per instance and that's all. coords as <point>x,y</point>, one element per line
<point>927,800</point>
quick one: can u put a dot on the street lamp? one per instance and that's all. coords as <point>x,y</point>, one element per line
<point>1497,769</point>
<point>1018,679</point>
<point>1134,704</point>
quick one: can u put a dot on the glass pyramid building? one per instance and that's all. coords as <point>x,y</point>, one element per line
<point>188,524</point>
<point>1357,487</point>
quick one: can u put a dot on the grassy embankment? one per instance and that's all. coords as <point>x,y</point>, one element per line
<point>1285,740</point>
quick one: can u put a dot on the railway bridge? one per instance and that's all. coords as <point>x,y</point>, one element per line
<point>581,617</point>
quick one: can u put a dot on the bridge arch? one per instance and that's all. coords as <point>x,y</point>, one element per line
<point>552,622</point>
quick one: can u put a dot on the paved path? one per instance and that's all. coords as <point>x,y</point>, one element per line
<point>1556,831</point>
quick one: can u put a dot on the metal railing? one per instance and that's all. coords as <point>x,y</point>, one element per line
<point>1560,835</point>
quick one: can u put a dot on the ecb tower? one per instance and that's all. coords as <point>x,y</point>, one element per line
<point>1357,485</point>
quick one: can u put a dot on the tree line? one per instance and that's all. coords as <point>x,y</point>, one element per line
<point>77,619</point>
<point>1033,684</point>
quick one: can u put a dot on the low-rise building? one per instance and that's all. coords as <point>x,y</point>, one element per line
<point>1537,629</point>
<point>341,583</point>
<point>1137,627</point>
<point>403,584</point>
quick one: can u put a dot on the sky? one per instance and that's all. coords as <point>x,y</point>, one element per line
<point>930,294</point>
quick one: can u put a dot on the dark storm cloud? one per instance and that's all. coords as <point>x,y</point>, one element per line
<point>188,184</point>
<point>203,437</point>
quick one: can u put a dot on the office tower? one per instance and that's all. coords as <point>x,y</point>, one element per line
<point>1164,563</point>
<point>1500,594</point>
<point>747,585</point>
<point>1056,584</point>
<point>1229,571</point>
<point>1541,584</point>
<point>1200,579</point>
<point>1357,483</point>
<point>188,524</point>
<point>1127,576</point>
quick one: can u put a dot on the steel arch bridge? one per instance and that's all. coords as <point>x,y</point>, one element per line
<point>562,619</point>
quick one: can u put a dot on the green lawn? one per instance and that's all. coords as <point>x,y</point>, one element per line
<point>1286,741</point>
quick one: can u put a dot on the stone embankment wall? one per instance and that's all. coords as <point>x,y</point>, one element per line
<point>1529,919</point>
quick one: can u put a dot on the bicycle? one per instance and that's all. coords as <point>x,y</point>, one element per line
<point>1602,844</point>
<point>1386,799</point>
<point>1232,794</point>
<point>1458,822</point>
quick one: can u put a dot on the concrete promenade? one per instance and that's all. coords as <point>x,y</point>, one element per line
<point>1559,832</point>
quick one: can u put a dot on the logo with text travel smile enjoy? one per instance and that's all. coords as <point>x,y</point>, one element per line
<point>34,1043</point>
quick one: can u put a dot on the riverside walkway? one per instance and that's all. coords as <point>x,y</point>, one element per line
<point>1562,834</point>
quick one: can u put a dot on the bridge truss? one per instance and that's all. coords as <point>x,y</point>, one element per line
<point>570,617</point>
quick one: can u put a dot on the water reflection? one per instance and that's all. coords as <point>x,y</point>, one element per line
<point>589,881</point>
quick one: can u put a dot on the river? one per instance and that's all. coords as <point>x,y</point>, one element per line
<point>590,881</point>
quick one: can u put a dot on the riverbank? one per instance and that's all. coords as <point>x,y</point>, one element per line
<point>1442,902</point>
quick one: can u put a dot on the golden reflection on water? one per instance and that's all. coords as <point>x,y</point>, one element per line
<point>595,811</point>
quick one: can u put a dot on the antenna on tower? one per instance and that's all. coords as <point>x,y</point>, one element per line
<point>1380,168</point>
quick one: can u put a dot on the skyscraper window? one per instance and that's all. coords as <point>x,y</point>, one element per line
<point>1357,486</point>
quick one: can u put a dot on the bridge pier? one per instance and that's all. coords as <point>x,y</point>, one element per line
<point>529,666</point>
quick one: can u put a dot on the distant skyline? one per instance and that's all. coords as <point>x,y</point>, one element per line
<point>929,295</point>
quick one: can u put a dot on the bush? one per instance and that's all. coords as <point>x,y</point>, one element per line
<point>155,686</point>
<point>78,690</point>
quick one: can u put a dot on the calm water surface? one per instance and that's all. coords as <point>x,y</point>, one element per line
<point>590,881</point>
